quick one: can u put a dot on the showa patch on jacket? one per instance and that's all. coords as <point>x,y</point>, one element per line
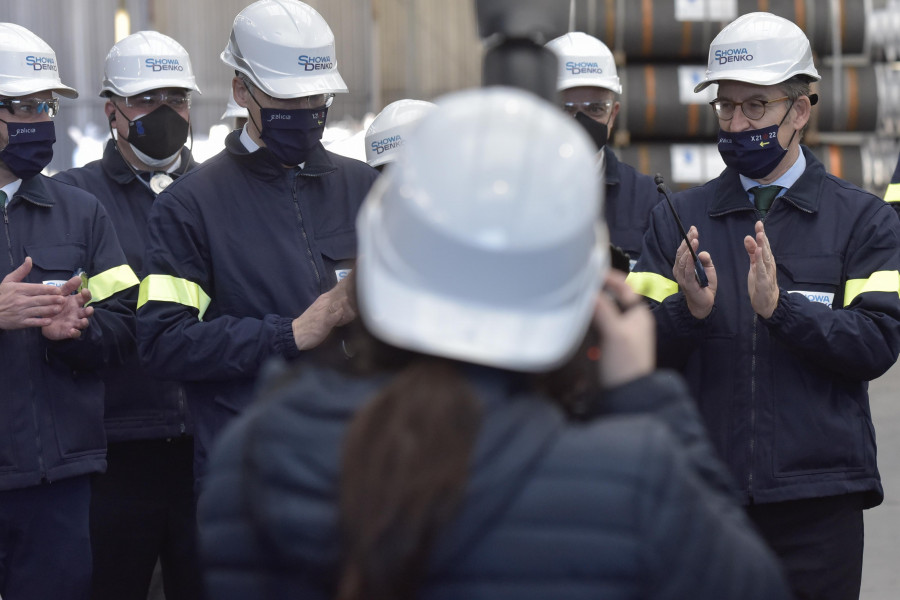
<point>826,298</point>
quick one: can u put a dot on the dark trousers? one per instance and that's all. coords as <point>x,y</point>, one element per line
<point>819,542</point>
<point>143,510</point>
<point>45,549</point>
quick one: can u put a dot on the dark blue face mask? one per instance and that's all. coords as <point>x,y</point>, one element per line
<point>30,147</point>
<point>291,135</point>
<point>754,153</point>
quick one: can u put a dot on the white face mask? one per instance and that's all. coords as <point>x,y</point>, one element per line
<point>156,163</point>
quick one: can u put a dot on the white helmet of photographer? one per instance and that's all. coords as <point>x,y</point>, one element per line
<point>390,129</point>
<point>759,48</point>
<point>286,49</point>
<point>584,61</point>
<point>146,60</point>
<point>28,64</point>
<point>483,241</point>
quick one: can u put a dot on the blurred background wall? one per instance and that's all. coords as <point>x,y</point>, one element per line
<point>392,49</point>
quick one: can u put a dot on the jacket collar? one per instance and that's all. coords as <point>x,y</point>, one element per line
<point>804,194</point>
<point>611,173</point>
<point>266,165</point>
<point>117,169</point>
<point>34,190</point>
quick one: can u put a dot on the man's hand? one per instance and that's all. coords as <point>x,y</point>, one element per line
<point>699,300</point>
<point>27,304</point>
<point>74,316</point>
<point>627,337</point>
<point>332,309</point>
<point>762,280</point>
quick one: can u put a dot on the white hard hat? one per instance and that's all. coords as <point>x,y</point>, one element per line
<point>146,60</point>
<point>28,64</point>
<point>584,61</point>
<point>759,48</point>
<point>482,241</point>
<point>233,109</point>
<point>286,49</point>
<point>391,128</point>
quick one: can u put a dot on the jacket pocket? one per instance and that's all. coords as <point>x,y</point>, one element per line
<point>338,254</point>
<point>818,278</point>
<point>76,401</point>
<point>820,426</point>
<point>57,263</point>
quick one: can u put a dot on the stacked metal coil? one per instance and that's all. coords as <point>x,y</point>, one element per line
<point>661,48</point>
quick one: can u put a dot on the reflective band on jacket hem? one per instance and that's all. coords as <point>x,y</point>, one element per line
<point>893,193</point>
<point>165,288</point>
<point>651,285</point>
<point>880,281</point>
<point>109,282</point>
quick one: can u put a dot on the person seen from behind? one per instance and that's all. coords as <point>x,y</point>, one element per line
<point>433,465</point>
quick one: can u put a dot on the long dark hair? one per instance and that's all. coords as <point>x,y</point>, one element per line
<point>405,466</point>
<point>406,457</point>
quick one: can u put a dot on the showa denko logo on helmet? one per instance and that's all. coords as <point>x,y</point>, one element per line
<point>388,143</point>
<point>316,63</point>
<point>158,64</point>
<point>732,55</point>
<point>41,63</point>
<point>584,67</point>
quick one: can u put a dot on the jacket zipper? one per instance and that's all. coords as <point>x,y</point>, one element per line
<point>309,254</point>
<point>752,409</point>
<point>12,261</point>
<point>37,424</point>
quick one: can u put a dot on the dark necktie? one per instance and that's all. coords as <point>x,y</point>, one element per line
<point>764,195</point>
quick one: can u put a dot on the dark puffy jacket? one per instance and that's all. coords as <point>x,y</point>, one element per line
<point>52,398</point>
<point>138,406</point>
<point>625,506</point>
<point>630,196</point>
<point>238,248</point>
<point>785,399</point>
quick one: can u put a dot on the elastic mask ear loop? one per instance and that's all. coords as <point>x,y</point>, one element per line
<point>249,114</point>
<point>780,123</point>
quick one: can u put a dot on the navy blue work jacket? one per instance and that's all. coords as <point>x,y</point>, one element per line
<point>785,398</point>
<point>138,406</point>
<point>238,248</point>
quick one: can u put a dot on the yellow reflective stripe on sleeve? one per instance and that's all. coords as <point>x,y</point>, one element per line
<point>112,281</point>
<point>880,281</point>
<point>165,288</point>
<point>893,193</point>
<point>651,285</point>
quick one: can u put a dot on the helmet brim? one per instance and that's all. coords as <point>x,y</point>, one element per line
<point>60,89</point>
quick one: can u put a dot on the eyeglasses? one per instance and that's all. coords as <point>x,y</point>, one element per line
<point>28,107</point>
<point>177,99</point>
<point>752,109</point>
<point>319,100</point>
<point>591,109</point>
<point>315,101</point>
